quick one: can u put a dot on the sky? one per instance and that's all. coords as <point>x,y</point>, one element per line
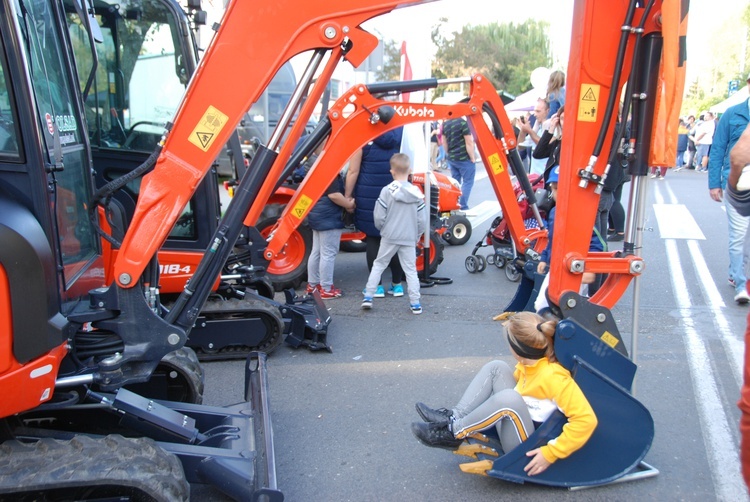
<point>414,23</point>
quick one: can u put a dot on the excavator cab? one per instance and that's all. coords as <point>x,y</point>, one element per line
<point>145,59</point>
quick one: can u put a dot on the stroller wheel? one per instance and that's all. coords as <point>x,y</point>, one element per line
<point>482,263</point>
<point>472,264</point>
<point>490,259</point>
<point>512,273</point>
<point>498,260</point>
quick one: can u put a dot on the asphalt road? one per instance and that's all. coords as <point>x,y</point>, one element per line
<point>341,420</point>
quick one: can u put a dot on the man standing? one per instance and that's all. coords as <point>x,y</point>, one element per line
<point>733,122</point>
<point>530,135</point>
<point>459,149</point>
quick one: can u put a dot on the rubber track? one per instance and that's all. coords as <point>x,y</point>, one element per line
<point>245,308</point>
<point>135,467</point>
<point>185,360</point>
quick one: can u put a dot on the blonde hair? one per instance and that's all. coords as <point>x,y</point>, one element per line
<point>555,83</point>
<point>400,163</point>
<point>532,330</point>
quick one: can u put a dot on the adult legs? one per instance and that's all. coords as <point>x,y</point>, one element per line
<point>737,256</point>
<point>491,400</point>
<point>329,248</point>
<point>617,212</point>
<point>469,170</point>
<point>455,171</point>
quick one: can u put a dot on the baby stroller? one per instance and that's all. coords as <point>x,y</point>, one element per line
<point>498,236</point>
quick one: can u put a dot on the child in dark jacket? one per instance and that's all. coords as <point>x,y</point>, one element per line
<point>399,216</point>
<point>326,224</point>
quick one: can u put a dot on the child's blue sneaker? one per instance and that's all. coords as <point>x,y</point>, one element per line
<point>379,292</point>
<point>367,303</point>
<point>396,290</point>
<point>416,308</point>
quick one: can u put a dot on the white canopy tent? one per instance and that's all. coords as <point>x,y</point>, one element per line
<point>735,99</point>
<point>526,101</point>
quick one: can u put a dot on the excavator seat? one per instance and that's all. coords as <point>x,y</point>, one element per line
<point>621,440</point>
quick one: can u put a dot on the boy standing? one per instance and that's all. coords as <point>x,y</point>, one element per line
<point>399,216</point>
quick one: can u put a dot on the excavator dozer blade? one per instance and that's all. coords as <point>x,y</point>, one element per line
<point>238,457</point>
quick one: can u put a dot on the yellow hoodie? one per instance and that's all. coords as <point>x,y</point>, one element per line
<point>546,386</point>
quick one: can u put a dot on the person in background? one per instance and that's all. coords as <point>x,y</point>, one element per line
<point>369,171</point>
<point>459,147</point>
<point>399,216</point>
<point>682,144</point>
<point>434,144</point>
<point>555,92</point>
<point>731,126</point>
<point>530,135</point>
<point>550,142</point>
<point>739,158</point>
<point>691,126</point>
<point>703,139</point>
<point>326,224</point>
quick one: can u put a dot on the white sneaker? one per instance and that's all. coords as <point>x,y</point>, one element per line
<point>742,298</point>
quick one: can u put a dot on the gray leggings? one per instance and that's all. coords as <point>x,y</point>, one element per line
<point>491,400</point>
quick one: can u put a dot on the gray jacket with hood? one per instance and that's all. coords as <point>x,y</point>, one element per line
<point>399,213</point>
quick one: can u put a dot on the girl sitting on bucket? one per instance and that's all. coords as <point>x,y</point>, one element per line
<point>516,402</point>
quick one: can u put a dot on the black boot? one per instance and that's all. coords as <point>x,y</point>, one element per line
<point>440,416</point>
<point>435,435</point>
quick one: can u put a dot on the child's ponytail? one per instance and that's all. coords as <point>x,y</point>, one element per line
<point>547,329</point>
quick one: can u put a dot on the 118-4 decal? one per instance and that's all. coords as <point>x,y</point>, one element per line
<point>174,269</point>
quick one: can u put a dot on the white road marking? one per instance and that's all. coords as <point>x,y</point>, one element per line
<point>724,461</point>
<point>482,212</point>
<point>734,348</point>
<point>676,222</point>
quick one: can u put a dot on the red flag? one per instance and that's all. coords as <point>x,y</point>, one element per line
<point>406,73</point>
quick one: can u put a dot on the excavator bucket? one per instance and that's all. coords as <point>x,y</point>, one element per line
<point>620,442</point>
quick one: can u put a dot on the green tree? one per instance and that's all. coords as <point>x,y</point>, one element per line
<point>505,53</point>
<point>391,69</point>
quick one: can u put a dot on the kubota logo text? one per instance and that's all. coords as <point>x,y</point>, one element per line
<point>414,111</point>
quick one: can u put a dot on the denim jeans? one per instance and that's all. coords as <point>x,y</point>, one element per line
<point>738,256</point>
<point>463,171</point>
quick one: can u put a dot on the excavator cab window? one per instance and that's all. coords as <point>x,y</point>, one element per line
<point>63,136</point>
<point>125,109</point>
<point>8,132</point>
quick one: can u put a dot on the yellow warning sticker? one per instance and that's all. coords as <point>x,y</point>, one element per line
<point>302,205</point>
<point>588,104</point>
<point>204,134</point>
<point>496,164</point>
<point>609,339</point>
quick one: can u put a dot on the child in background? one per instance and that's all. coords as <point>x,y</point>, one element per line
<point>399,216</point>
<point>327,225</point>
<point>514,401</point>
<point>555,92</point>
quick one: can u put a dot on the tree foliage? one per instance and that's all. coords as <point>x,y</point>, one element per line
<point>505,53</point>
<point>391,69</point>
<point>730,61</point>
